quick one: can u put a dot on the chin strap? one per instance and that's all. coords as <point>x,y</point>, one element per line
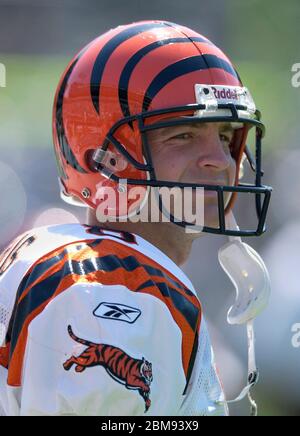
<point>248,273</point>
<point>253,374</point>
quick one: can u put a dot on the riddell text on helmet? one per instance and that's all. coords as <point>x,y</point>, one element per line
<point>224,93</point>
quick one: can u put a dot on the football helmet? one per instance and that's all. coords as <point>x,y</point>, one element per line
<point>140,77</point>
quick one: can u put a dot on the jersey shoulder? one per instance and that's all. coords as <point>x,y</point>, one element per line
<point>33,246</point>
<point>75,263</point>
<point>50,259</point>
<point>47,255</point>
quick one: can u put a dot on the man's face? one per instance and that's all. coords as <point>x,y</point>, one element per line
<point>196,153</point>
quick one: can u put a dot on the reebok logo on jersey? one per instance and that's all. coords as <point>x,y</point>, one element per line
<point>117,312</point>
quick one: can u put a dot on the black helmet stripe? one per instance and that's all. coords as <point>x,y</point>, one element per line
<point>136,58</point>
<point>107,51</point>
<point>238,76</point>
<point>185,66</point>
<point>63,143</point>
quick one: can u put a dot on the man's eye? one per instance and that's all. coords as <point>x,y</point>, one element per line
<point>182,136</point>
<point>227,142</point>
<point>226,139</point>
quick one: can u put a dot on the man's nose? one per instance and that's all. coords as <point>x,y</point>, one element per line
<point>212,153</point>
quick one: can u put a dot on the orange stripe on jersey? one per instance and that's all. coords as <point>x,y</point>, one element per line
<point>4,356</point>
<point>69,254</point>
<point>88,253</point>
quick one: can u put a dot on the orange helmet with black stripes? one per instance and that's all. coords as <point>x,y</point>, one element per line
<point>139,77</point>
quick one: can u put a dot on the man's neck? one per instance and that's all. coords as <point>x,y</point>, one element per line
<point>167,237</point>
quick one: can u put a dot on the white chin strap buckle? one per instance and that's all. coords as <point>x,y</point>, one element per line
<point>250,277</point>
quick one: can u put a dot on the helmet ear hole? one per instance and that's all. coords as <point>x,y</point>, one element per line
<point>88,158</point>
<point>111,160</point>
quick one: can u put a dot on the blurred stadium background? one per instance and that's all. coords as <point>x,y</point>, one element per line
<point>38,38</point>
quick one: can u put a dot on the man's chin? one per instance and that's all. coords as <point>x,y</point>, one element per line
<point>211,219</point>
<point>211,215</point>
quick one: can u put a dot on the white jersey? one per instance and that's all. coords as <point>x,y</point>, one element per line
<point>101,322</point>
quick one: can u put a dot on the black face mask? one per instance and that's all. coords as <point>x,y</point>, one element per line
<point>261,192</point>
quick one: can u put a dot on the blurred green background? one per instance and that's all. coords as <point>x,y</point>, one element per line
<point>37,40</point>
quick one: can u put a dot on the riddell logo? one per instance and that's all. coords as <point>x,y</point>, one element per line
<point>224,93</point>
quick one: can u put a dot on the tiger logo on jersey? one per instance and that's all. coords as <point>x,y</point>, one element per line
<point>134,374</point>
